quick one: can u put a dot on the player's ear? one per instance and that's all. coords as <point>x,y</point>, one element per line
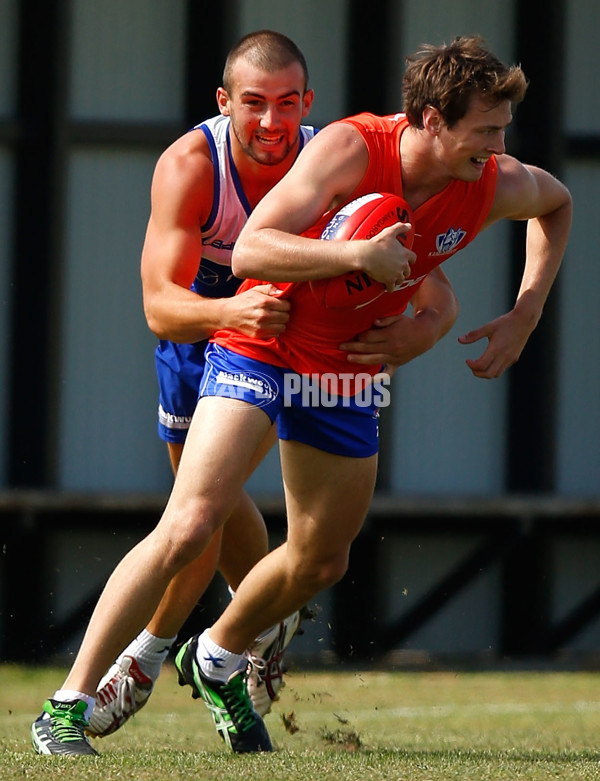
<point>432,120</point>
<point>223,101</point>
<point>307,100</point>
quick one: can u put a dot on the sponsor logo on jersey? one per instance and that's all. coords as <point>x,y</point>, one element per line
<point>219,244</point>
<point>210,277</point>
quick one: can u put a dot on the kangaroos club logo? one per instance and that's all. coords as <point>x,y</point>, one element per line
<point>447,242</point>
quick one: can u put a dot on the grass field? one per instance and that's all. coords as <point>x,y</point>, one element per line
<point>350,726</point>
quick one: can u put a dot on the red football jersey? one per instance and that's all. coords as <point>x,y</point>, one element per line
<point>445,224</point>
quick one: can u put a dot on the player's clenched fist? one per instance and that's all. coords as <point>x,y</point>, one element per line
<point>258,312</point>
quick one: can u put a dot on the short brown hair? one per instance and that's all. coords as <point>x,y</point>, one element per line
<point>447,76</point>
<point>266,49</point>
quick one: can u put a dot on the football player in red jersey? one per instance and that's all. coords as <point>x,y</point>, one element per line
<point>446,156</point>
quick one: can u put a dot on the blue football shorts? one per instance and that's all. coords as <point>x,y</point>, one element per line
<point>179,370</point>
<point>343,425</point>
<point>179,367</point>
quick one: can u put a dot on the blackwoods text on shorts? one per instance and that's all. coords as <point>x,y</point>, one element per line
<point>333,390</point>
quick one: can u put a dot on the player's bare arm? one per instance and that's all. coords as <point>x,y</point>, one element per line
<point>325,175</point>
<point>397,339</point>
<point>524,193</point>
<point>181,198</point>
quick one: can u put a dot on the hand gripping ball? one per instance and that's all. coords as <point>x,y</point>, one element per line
<point>362,218</point>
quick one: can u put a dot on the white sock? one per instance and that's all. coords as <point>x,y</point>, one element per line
<point>149,651</point>
<point>66,695</point>
<point>216,662</point>
<point>263,634</point>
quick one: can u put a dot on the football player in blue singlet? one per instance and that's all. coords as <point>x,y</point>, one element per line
<point>204,187</point>
<point>180,366</point>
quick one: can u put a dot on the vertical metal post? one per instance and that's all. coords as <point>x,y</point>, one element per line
<point>38,236</point>
<point>538,120</point>
<point>206,48</point>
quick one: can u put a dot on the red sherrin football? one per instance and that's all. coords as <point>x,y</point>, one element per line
<point>362,218</point>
